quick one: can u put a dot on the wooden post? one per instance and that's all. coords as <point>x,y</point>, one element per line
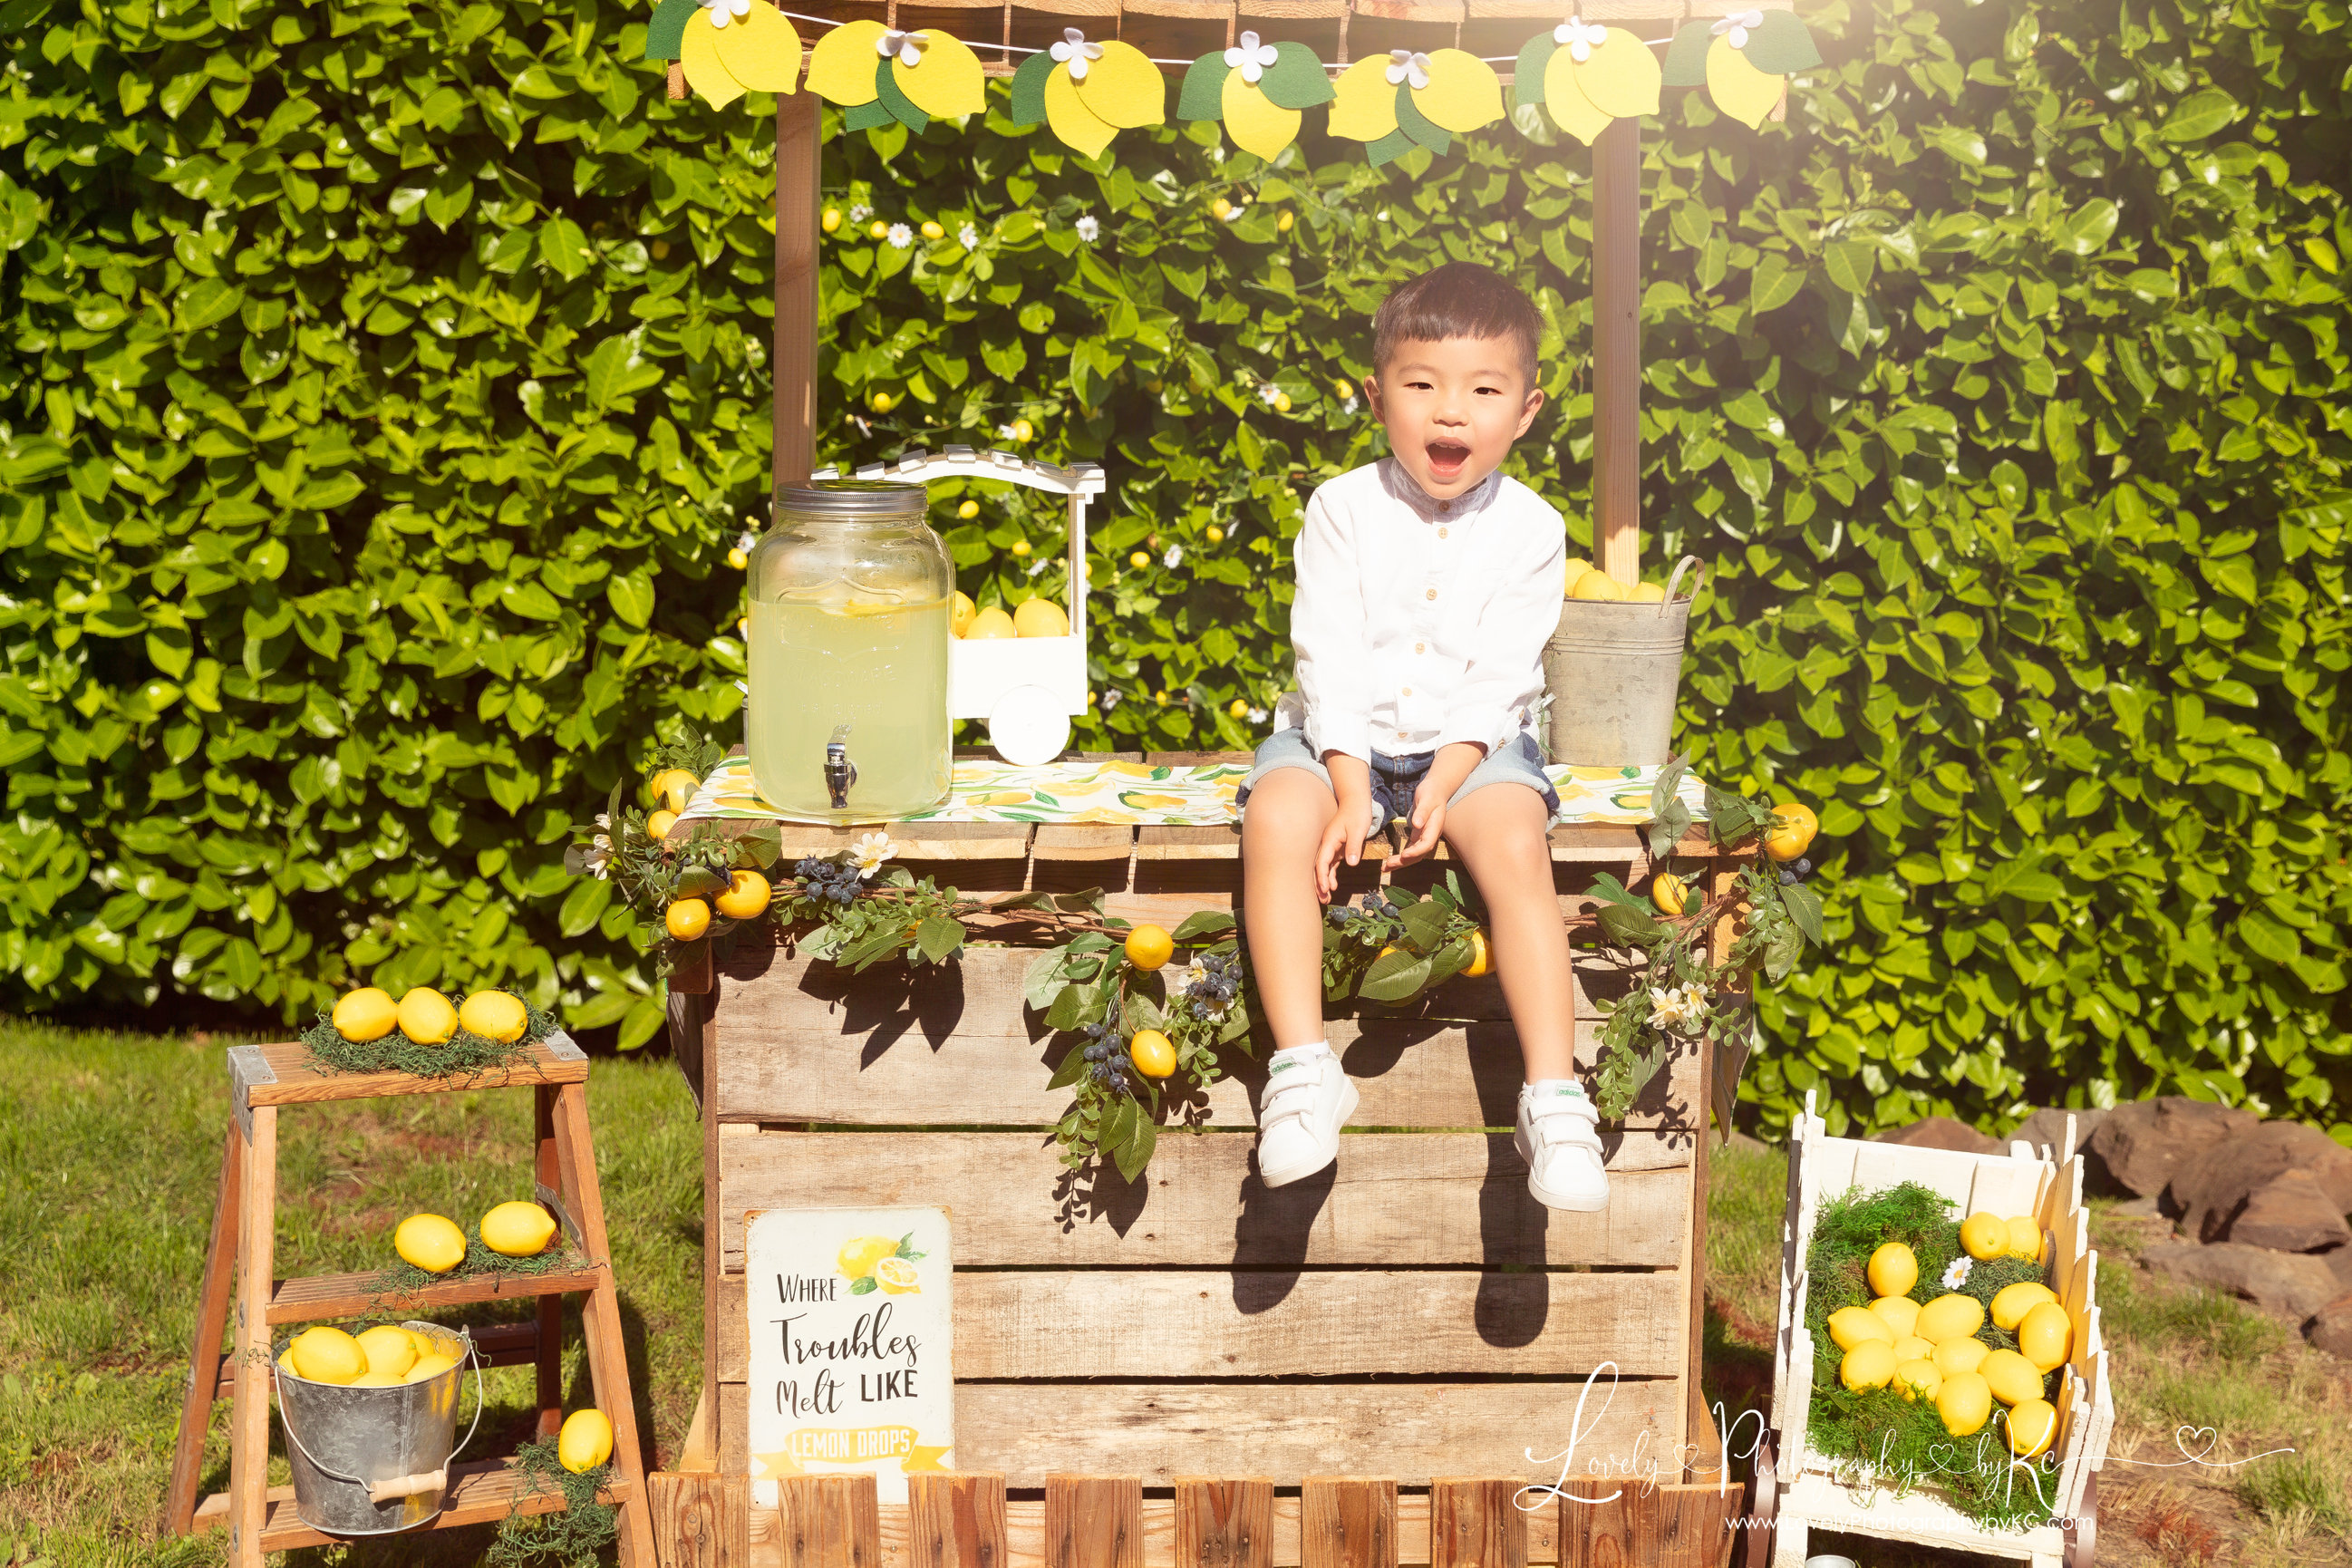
<point>248,1438</point>
<point>1476,1524</point>
<point>1616,351</point>
<point>203,1369</point>
<point>1345,1522</point>
<point>830,1522</point>
<point>700,1522</point>
<point>955,1521</point>
<point>1094,1521</point>
<point>799,157</point>
<point>549,1171</point>
<point>1225,1524</point>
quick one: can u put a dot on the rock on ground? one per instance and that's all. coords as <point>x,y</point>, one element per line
<point>2287,1284</point>
<point>2331,1328</point>
<point>1942,1132</point>
<point>2048,1126</point>
<point>2142,1143</point>
<point>2209,1189</point>
<point>2291,1212</point>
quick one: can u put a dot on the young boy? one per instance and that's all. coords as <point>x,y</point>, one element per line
<point>1427,585</point>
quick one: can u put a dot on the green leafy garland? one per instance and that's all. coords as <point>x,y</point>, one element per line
<point>574,1535</point>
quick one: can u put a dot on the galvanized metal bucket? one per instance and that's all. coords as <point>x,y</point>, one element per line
<point>1614,670</point>
<point>375,1461</point>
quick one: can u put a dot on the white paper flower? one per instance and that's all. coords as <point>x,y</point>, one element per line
<point>1038,565</point>
<point>901,236</point>
<point>869,851</point>
<point>1348,406</point>
<point>725,11</point>
<point>1405,66</point>
<point>1175,554</point>
<point>1007,433</point>
<point>1251,58</point>
<point>968,237</point>
<point>1737,26</point>
<point>1956,1275</point>
<point>906,46</point>
<point>1073,51</point>
<point>1579,38</point>
<point>1089,227</point>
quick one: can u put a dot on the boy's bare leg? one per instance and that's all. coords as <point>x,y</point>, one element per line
<point>1282,827</point>
<point>1499,834</point>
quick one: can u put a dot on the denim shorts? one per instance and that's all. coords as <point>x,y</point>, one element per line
<point>1394,779</point>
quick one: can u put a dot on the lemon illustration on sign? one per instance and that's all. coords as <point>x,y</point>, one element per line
<point>1149,946</point>
<point>427,1018</point>
<point>584,1441</point>
<point>389,1352</point>
<point>1900,1313</point>
<point>1040,618</point>
<point>1984,1236</point>
<point>1154,1053</point>
<point>327,1355</point>
<point>494,1016</point>
<point>2012,1303</point>
<point>2046,1337</point>
<point>365,1015</point>
<point>1964,1402</point>
<point>858,1258</point>
<point>990,622</point>
<point>1482,954</point>
<point>895,1276</point>
<point>429,1242</point>
<point>1893,1268</point>
<point>429,1367</point>
<point>1666,891</point>
<point>686,919</point>
<point>518,1229</point>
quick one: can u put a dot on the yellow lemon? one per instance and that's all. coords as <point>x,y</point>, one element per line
<point>1221,207</point>
<point>2031,1424</point>
<point>2046,1337</point>
<point>1984,1236</point>
<point>1868,1365</point>
<point>1598,584</point>
<point>365,1015</point>
<point>1482,956</point>
<point>1918,1379</point>
<point>1577,568</point>
<point>494,1016</point>
<point>1794,833</point>
<point>673,787</point>
<point>686,919</point>
<point>1023,430</point>
<point>2024,1236</point>
<point>388,1349</point>
<point>518,1229</point>
<point>1964,1402</point>
<point>896,1277</point>
<point>431,1243</point>
<point>933,231</point>
<point>426,1345</point>
<point>1138,560</point>
<point>746,897</point>
<point>960,611</point>
<point>1342,390</point>
<point>1893,1270</point>
<point>1149,946</point>
<point>584,1442</point>
<point>659,823</point>
<point>1667,891</point>
<point>1850,1326</point>
<point>1956,1356</point>
<point>1021,547</point>
<point>1040,618</point>
<point>2012,1303</point>
<point>2012,1379</point>
<point>1900,1313</point>
<point>1238,708</point>
<point>968,510</point>
<point>1216,534</point>
<point>990,622</point>
<point>831,220</point>
<point>1282,402</point>
<point>429,1367</point>
<point>327,1355</point>
<point>285,1360</point>
<point>1911,1347</point>
<point>878,229</point>
<point>1648,593</point>
<point>427,1018</point>
<point>374,1380</point>
<point>881,403</point>
<point>858,1258</point>
<point>1282,224</point>
<point>1154,1053</point>
<point>1950,1317</point>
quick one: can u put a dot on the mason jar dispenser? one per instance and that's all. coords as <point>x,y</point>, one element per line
<point>848,717</point>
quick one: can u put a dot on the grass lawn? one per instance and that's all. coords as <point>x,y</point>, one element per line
<point>110,1146</point>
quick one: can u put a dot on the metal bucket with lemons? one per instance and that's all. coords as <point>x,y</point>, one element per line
<point>369,1419</point>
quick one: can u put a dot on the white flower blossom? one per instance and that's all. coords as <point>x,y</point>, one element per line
<point>1348,406</point>
<point>599,857</point>
<point>1007,433</point>
<point>1267,392</point>
<point>1075,52</point>
<point>1089,227</point>
<point>904,46</point>
<point>1175,553</point>
<point>869,851</point>
<point>1408,66</point>
<point>968,237</point>
<point>725,11</point>
<point>1734,29</point>
<point>745,540</point>
<point>859,212</point>
<point>1382,215</point>
<point>1258,715</point>
<point>1038,565</point>
<point>1110,700</point>
<point>1956,1275</point>
<point>1579,38</point>
<point>1251,58</point>
<point>900,236</point>
<point>1675,1007</point>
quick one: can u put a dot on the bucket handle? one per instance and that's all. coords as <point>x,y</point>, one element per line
<point>286,1416</point>
<point>1687,563</point>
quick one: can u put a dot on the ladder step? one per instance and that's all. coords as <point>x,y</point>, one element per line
<point>293,1081</point>
<point>484,1491</point>
<point>322,1296</point>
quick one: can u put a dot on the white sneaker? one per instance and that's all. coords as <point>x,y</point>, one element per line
<point>1559,1139</point>
<point>1299,1114</point>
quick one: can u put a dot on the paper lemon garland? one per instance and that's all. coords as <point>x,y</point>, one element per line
<point>728,47</point>
<point>1395,102</point>
<point>1086,93</point>
<point>880,74</point>
<point>1744,61</point>
<point>1257,90</point>
<point>1586,74</point>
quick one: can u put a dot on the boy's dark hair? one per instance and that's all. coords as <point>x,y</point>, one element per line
<point>1459,299</point>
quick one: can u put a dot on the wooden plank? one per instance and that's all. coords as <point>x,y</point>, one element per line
<point>961,841</point>
<point>1474,1523</point>
<point>799,178</point>
<point>599,1316</point>
<point>1609,1522</point>
<point>1617,352</point>
<point>1087,842</point>
<point>481,1491</point>
<point>1344,1522</point>
<point>206,1360</point>
<point>700,1520</point>
<point>829,1521</point>
<point>248,1485</point>
<point>952,1521</point>
<point>726,1443</point>
<point>1335,1323</point>
<point>1221,843</point>
<point>1224,1523</point>
<point>297,1083</point>
<point>1094,1521</point>
<point>1393,1200</point>
<point>323,1295</point>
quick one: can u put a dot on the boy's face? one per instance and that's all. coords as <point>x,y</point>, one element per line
<point>1453,408</point>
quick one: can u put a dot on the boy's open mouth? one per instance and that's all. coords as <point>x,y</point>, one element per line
<point>1447,458</point>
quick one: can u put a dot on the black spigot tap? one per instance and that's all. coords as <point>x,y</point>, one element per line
<point>840,772</point>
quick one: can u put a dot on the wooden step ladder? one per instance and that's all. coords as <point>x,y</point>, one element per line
<point>261,1518</point>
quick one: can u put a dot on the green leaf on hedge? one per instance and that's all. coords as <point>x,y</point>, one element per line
<point>2199,115</point>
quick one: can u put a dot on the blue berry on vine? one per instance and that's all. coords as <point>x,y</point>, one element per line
<point>1803,865</point>
<point>1788,878</point>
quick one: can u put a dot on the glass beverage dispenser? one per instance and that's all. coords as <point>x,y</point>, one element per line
<point>848,719</point>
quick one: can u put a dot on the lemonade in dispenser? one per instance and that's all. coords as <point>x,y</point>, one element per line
<point>848,717</point>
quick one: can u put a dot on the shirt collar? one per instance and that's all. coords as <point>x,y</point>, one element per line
<point>1402,485</point>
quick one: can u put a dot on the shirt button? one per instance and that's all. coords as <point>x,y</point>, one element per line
<point>1433,593</point>
<point>1444,506</point>
<point>1420,647</point>
<point>1441,533</point>
<point>1408,691</point>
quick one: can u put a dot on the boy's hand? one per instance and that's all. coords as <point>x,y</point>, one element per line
<point>1351,786</point>
<point>1452,764</point>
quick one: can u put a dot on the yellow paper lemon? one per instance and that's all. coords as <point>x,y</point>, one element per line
<point>1739,88</point>
<point>1363,107</point>
<point>2031,1424</point>
<point>367,1014</point>
<point>2012,1303</point>
<point>429,1242</point>
<point>2046,1337</point>
<point>518,1229</point>
<point>388,1349</point>
<point>1950,1317</point>
<point>698,59</point>
<point>428,1367</point>
<point>584,1442</point>
<point>1868,1365</point>
<point>761,50</point>
<point>1621,78</point>
<point>427,1018</point>
<point>1893,1270</point>
<point>1040,618</point>
<point>328,1355</point>
<point>1564,97</point>
<point>1255,123</point>
<point>1964,1355</point>
<point>1984,1236</point>
<point>842,64</point>
<point>1463,93</point>
<point>989,623</point>
<point>945,79</point>
<point>1067,114</point>
<point>1850,1326</point>
<point>494,1016</point>
<point>1900,1313</point>
<point>1123,89</point>
<point>2024,1236</point>
<point>1916,1378</point>
<point>2012,1379</point>
<point>1964,1402</point>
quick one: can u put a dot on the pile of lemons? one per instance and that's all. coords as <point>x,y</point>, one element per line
<point>434,1243</point>
<point>1586,581</point>
<point>1030,618</point>
<point>1931,1350</point>
<point>429,1018</point>
<point>746,898</point>
<point>379,1357</point>
<point>671,789</point>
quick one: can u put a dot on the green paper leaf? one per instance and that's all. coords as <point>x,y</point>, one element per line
<point>1028,107</point>
<point>667,32</point>
<point>1296,79</point>
<point>1686,63</point>
<point>1781,45</point>
<point>1528,75</point>
<point>866,116</point>
<point>1389,148</point>
<point>902,109</point>
<point>1419,127</point>
<point>1204,93</point>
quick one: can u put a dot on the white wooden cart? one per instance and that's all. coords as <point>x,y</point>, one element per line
<point>1027,689</point>
<point>1798,1489</point>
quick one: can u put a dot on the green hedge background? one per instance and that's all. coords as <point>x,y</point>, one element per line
<point>387,385</point>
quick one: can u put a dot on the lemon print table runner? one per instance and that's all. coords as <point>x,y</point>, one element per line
<point>1138,794</point>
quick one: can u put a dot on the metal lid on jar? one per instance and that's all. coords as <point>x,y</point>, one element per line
<point>851,500</point>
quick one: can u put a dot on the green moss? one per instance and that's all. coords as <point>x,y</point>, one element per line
<point>574,1536</point>
<point>404,1278</point>
<point>463,1055</point>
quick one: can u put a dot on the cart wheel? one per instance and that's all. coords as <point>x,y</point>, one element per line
<point>2083,1535</point>
<point>1763,1503</point>
<point>1028,727</point>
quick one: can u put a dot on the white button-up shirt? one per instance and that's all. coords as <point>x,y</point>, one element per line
<point>1418,623</point>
